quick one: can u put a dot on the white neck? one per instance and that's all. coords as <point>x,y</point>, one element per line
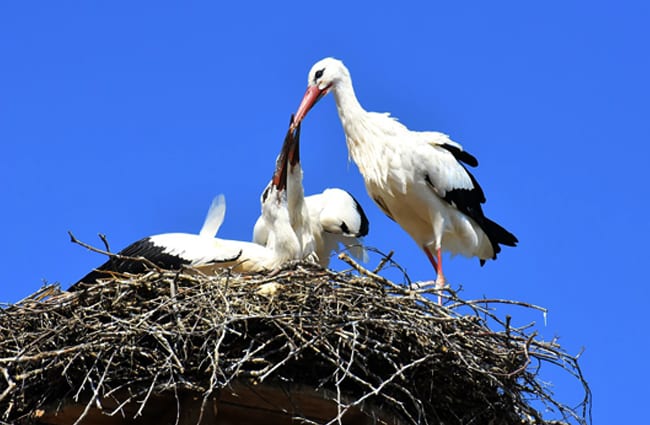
<point>350,110</point>
<point>361,131</point>
<point>298,212</point>
<point>283,240</point>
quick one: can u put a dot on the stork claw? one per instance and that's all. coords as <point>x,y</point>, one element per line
<point>438,285</point>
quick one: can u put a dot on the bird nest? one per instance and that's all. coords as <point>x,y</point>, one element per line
<point>360,340</point>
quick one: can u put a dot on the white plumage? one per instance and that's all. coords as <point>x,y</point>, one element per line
<point>335,219</point>
<point>282,245</point>
<point>214,218</point>
<point>320,221</point>
<point>416,177</point>
<point>207,253</point>
<point>298,213</point>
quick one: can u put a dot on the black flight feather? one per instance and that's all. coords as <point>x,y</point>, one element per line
<point>461,155</point>
<point>468,201</point>
<point>142,248</point>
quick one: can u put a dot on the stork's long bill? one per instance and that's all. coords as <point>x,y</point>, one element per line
<point>311,97</point>
<point>294,149</point>
<point>279,180</point>
<point>288,154</point>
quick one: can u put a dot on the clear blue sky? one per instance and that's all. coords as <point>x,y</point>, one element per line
<point>127,119</point>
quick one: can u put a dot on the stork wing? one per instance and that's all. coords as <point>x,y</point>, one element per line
<point>460,154</point>
<point>129,260</point>
<point>214,218</point>
<point>445,174</point>
<point>450,180</point>
<point>435,138</point>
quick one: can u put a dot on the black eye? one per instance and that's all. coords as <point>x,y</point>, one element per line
<point>345,228</point>
<point>318,74</point>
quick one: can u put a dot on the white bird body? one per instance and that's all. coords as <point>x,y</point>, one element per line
<point>281,246</point>
<point>335,218</point>
<point>416,177</point>
<point>320,221</point>
<point>196,250</point>
<point>395,171</point>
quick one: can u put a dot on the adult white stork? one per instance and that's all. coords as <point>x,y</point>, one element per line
<point>416,177</point>
<point>207,253</point>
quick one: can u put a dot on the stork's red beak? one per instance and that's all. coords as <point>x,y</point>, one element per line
<point>312,95</point>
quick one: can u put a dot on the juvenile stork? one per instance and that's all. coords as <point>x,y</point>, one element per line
<point>418,178</point>
<point>335,219</point>
<point>207,253</point>
<point>298,212</point>
<point>321,221</point>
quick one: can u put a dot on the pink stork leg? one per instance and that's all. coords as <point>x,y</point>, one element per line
<point>437,265</point>
<point>430,257</point>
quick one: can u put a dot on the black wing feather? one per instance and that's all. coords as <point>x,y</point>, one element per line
<point>143,248</point>
<point>468,201</point>
<point>461,155</point>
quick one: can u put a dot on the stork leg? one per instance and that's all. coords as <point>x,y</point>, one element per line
<point>440,277</point>
<point>441,282</point>
<point>430,257</point>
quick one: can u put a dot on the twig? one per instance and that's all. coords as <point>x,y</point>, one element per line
<point>358,338</point>
<point>386,258</point>
<point>105,241</point>
<point>359,268</point>
<point>144,260</point>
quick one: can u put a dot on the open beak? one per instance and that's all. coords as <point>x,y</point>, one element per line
<point>294,149</point>
<point>312,95</point>
<point>289,150</point>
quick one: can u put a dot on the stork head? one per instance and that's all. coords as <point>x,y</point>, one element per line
<point>342,214</point>
<point>323,76</point>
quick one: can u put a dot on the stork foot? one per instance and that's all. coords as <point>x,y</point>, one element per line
<point>429,284</point>
<point>439,284</point>
<point>425,284</point>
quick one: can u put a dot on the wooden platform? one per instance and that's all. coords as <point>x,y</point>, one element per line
<point>239,404</point>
